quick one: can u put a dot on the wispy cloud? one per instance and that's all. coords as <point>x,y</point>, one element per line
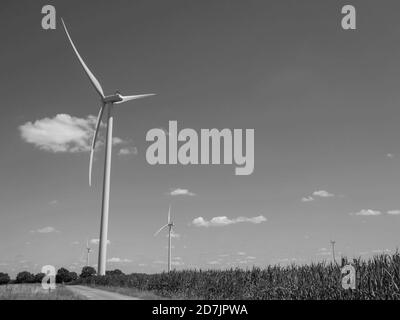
<point>128,151</point>
<point>393,212</point>
<point>323,194</point>
<point>97,241</point>
<point>45,230</point>
<point>174,235</point>
<point>390,155</point>
<point>317,194</point>
<point>307,199</point>
<point>118,260</point>
<point>225,221</point>
<point>367,212</point>
<point>181,192</point>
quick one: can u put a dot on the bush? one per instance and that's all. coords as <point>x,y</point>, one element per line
<point>87,272</point>
<point>4,278</point>
<point>115,272</point>
<point>63,275</point>
<point>39,277</point>
<point>25,277</point>
<point>73,276</point>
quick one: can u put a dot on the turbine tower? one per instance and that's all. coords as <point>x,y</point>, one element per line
<point>169,225</point>
<point>88,250</point>
<point>107,106</point>
<point>333,250</point>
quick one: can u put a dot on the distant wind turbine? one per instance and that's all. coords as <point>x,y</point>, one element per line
<point>107,104</point>
<point>88,250</point>
<point>169,225</point>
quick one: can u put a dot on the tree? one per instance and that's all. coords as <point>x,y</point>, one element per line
<point>73,276</point>
<point>88,272</point>
<point>4,278</point>
<point>115,272</point>
<point>25,277</point>
<point>63,275</point>
<point>39,277</point>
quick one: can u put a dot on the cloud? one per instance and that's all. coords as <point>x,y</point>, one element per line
<point>318,194</point>
<point>116,141</point>
<point>63,133</point>
<point>214,262</point>
<point>367,212</point>
<point>393,212</point>
<point>45,230</point>
<point>181,192</point>
<point>224,221</point>
<point>53,203</point>
<point>174,235</point>
<point>323,194</point>
<point>97,241</point>
<point>128,151</point>
<point>118,260</point>
<point>390,155</point>
<point>241,253</point>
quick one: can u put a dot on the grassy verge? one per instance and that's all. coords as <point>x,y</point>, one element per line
<point>36,292</point>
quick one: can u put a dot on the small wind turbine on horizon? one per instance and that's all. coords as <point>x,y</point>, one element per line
<point>107,105</point>
<point>88,250</point>
<point>169,225</point>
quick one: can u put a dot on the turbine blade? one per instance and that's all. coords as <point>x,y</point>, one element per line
<point>91,76</point>
<point>129,98</point>
<point>160,230</point>
<point>94,142</point>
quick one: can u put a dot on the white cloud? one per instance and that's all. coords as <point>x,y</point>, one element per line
<point>224,221</point>
<point>390,155</point>
<point>118,260</point>
<point>128,151</point>
<point>174,235</point>
<point>250,258</point>
<point>318,193</point>
<point>45,230</point>
<point>323,194</point>
<point>96,241</point>
<point>367,212</point>
<point>394,212</point>
<point>214,262</point>
<point>241,253</point>
<point>63,133</point>
<point>116,141</point>
<point>181,192</point>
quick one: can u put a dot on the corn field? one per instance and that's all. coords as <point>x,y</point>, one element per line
<point>377,278</point>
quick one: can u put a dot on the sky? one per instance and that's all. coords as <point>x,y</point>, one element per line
<point>324,104</point>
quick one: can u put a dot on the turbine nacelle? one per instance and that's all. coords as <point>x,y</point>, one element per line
<point>113,98</point>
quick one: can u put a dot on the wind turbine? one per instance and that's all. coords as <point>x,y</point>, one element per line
<point>88,250</point>
<point>169,225</point>
<point>107,104</point>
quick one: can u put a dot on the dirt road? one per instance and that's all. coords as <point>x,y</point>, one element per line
<point>96,294</point>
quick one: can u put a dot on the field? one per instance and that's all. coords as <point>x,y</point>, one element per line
<point>377,278</point>
<point>35,292</point>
